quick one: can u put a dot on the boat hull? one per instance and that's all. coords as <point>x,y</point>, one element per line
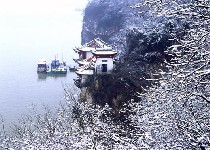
<point>55,67</point>
<point>56,72</point>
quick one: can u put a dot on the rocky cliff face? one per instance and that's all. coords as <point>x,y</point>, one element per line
<point>138,44</point>
<point>112,20</point>
<point>108,20</point>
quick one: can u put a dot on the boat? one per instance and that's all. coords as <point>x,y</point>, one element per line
<point>42,65</point>
<point>57,68</point>
<point>72,68</point>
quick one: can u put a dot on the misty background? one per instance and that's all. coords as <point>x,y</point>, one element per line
<point>31,30</point>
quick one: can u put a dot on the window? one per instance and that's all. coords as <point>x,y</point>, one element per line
<point>104,60</point>
<point>84,55</point>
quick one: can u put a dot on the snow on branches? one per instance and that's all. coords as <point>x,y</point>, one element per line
<point>183,95</point>
<point>173,114</point>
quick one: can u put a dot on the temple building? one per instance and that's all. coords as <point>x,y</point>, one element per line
<point>104,63</point>
<point>95,58</point>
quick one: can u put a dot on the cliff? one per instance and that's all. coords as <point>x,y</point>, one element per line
<point>112,20</point>
<point>108,20</point>
<point>140,48</point>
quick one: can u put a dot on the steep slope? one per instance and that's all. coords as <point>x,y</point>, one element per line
<point>140,48</point>
<point>107,20</point>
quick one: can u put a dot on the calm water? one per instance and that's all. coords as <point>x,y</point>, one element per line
<point>21,86</point>
<point>25,38</point>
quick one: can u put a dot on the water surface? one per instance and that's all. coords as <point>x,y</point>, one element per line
<point>21,86</point>
<point>26,37</point>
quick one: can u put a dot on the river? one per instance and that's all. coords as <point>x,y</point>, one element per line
<point>24,39</point>
<point>21,87</point>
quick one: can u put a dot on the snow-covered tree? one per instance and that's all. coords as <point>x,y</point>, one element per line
<point>178,110</point>
<point>76,125</point>
<point>173,114</point>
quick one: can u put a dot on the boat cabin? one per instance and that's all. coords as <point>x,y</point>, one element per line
<point>42,65</point>
<point>57,67</point>
<point>55,64</point>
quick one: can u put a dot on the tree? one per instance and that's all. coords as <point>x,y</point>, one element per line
<point>178,109</point>
<point>173,114</point>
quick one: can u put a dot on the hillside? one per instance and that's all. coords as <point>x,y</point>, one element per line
<point>163,65</point>
<point>107,20</point>
<point>158,96</point>
<point>140,48</point>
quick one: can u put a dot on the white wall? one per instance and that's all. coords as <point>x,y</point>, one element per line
<point>109,63</point>
<point>88,55</point>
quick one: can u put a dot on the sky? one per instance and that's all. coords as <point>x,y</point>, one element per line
<point>31,30</point>
<point>49,27</point>
<point>39,7</point>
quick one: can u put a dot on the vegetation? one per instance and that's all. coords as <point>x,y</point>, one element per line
<point>143,57</point>
<point>172,114</point>
<point>76,125</point>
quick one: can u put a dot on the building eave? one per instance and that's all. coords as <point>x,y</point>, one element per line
<point>85,72</point>
<point>104,53</point>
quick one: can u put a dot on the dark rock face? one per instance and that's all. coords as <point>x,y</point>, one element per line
<point>105,19</point>
<point>107,89</point>
<point>140,49</point>
<point>100,22</point>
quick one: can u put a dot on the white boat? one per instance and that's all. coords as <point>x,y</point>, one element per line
<point>42,65</point>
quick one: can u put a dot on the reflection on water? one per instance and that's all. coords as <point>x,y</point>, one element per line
<point>44,76</point>
<point>20,88</point>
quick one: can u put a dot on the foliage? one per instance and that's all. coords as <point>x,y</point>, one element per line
<point>143,57</point>
<point>163,123</point>
<point>76,125</point>
<point>173,114</point>
<point>184,87</point>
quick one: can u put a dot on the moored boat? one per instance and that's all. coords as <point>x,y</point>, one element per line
<point>72,68</point>
<point>57,68</point>
<point>42,65</point>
